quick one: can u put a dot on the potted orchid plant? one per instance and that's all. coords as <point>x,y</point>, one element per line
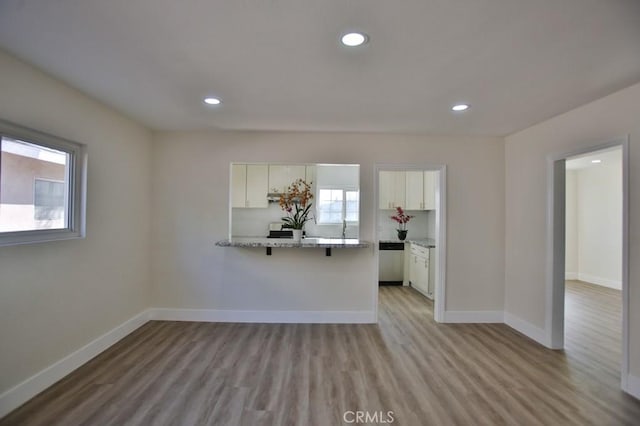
<point>402,219</point>
<point>296,202</point>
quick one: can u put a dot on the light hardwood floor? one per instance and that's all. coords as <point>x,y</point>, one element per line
<point>183,373</point>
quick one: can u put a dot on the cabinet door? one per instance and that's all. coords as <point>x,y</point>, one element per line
<point>432,275</point>
<point>257,185</point>
<point>385,190</point>
<point>399,185</point>
<point>310,176</point>
<point>238,185</point>
<point>421,282</point>
<point>282,176</point>
<point>430,180</point>
<point>414,190</point>
<point>413,269</point>
<point>391,190</point>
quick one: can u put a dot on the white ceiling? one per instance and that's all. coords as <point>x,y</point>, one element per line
<point>278,65</point>
<point>606,156</point>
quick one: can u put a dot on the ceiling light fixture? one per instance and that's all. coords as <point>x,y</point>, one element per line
<point>596,161</point>
<point>212,101</point>
<point>460,107</point>
<point>354,39</point>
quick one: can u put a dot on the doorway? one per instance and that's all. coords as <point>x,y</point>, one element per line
<point>593,258</point>
<point>426,236</point>
<point>588,252</point>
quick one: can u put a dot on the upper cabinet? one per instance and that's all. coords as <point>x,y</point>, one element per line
<point>282,176</point>
<point>249,185</point>
<point>392,189</point>
<point>411,190</point>
<point>421,190</point>
<point>414,190</point>
<point>430,181</point>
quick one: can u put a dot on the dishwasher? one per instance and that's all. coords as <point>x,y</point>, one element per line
<point>391,263</point>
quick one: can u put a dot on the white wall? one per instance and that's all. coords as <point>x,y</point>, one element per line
<point>571,226</point>
<point>418,226</point>
<point>191,187</point>
<point>56,297</point>
<point>526,202</point>
<point>594,216</point>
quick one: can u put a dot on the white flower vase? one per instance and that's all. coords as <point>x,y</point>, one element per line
<point>297,235</point>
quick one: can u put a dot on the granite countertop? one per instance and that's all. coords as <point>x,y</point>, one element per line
<point>422,242</point>
<point>257,242</point>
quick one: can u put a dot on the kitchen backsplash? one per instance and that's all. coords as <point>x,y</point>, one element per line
<point>421,226</point>
<point>255,223</point>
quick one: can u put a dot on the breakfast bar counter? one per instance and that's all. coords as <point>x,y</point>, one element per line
<point>269,243</point>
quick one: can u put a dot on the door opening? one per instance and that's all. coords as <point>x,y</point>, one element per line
<point>410,232</point>
<point>588,225</point>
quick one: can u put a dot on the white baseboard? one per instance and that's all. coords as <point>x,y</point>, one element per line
<point>21,393</point>
<point>473,316</point>
<point>632,386</point>
<point>570,275</point>
<point>536,333</point>
<point>605,282</point>
<point>220,315</point>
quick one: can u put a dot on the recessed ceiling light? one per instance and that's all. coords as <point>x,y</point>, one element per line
<point>212,101</point>
<point>596,161</point>
<point>460,107</point>
<point>354,39</point>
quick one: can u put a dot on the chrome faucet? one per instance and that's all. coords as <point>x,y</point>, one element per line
<point>344,229</point>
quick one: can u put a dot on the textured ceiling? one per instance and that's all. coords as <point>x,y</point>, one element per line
<point>278,64</point>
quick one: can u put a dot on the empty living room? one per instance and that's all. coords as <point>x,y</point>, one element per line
<point>296,212</point>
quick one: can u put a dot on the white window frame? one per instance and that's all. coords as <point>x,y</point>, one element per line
<point>344,205</point>
<point>77,187</point>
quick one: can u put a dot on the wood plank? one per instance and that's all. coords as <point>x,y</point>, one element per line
<point>309,374</point>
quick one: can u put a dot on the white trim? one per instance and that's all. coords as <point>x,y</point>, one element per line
<point>605,282</point>
<point>298,317</point>
<point>21,393</point>
<point>571,276</point>
<point>632,386</point>
<point>531,331</point>
<point>474,316</point>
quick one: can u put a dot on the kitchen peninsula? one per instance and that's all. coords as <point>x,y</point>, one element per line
<point>326,243</point>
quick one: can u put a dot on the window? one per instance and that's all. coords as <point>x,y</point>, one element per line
<point>41,186</point>
<point>337,205</point>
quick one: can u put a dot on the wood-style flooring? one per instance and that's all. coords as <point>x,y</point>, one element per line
<point>188,373</point>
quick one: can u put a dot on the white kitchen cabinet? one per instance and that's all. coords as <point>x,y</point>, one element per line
<point>414,190</point>
<point>249,185</point>
<point>419,270</point>
<point>420,190</point>
<point>391,190</point>
<point>282,176</point>
<point>238,185</point>
<point>429,188</point>
<point>310,176</point>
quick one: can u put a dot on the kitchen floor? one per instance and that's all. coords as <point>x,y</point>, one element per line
<point>423,372</point>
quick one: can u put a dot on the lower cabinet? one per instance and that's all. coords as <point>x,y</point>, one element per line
<point>419,274</point>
